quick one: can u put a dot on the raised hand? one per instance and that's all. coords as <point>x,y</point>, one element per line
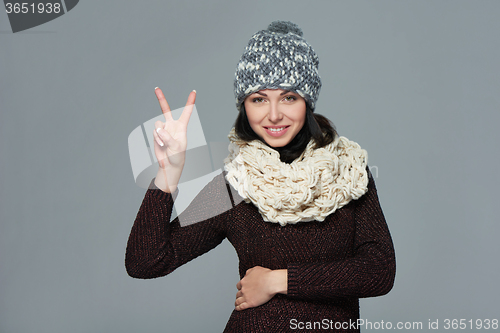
<point>170,142</point>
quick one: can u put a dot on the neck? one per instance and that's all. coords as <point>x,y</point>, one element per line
<point>293,149</point>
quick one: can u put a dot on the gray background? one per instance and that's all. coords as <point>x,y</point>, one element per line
<point>416,83</point>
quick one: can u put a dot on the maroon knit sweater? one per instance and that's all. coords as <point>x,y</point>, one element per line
<point>330,264</point>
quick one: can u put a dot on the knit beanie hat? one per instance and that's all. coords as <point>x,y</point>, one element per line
<point>278,58</point>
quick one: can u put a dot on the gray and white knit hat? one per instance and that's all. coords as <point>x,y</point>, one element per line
<point>278,58</point>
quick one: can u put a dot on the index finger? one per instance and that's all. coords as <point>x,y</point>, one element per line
<point>188,109</point>
<point>165,108</point>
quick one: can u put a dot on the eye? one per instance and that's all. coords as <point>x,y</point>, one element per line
<point>290,98</point>
<point>257,100</point>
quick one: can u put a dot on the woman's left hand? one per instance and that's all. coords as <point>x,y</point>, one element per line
<point>258,286</point>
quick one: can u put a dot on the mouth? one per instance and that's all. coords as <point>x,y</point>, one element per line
<point>277,131</point>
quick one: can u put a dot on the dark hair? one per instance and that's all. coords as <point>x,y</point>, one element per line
<point>316,126</point>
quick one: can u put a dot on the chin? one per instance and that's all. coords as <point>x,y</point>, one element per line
<point>276,144</point>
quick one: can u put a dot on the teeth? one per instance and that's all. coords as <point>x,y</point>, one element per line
<point>276,129</point>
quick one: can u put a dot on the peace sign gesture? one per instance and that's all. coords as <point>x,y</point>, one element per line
<point>170,142</point>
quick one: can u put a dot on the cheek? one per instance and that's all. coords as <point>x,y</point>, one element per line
<point>299,115</point>
<point>254,114</point>
<point>254,121</point>
<point>251,117</point>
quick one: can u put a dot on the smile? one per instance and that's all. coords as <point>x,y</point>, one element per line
<point>276,131</point>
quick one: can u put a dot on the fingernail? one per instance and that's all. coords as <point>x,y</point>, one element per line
<point>158,130</point>
<point>156,88</point>
<point>160,143</point>
<point>194,91</point>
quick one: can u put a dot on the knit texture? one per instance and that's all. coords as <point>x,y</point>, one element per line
<point>330,264</point>
<point>313,186</point>
<point>278,58</point>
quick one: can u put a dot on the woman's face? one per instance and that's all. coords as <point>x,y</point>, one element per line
<point>276,115</point>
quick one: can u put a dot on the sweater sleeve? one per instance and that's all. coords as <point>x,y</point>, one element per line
<point>156,247</point>
<point>369,272</point>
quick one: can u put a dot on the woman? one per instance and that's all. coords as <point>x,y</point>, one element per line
<point>303,216</point>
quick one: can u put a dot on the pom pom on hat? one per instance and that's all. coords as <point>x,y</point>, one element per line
<point>285,27</point>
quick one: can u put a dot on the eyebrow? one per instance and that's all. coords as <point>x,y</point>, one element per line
<point>283,93</point>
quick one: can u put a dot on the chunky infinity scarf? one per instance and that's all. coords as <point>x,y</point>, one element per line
<point>310,188</point>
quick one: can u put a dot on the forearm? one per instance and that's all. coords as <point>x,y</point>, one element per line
<point>167,180</point>
<point>147,243</point>
<point>279,281</point>
<point>156,246</point>
<point>354,277</point>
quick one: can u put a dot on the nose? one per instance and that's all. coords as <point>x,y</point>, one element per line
<point>274,115</point>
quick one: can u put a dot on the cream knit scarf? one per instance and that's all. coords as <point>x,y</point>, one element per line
<point>310,188</point>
